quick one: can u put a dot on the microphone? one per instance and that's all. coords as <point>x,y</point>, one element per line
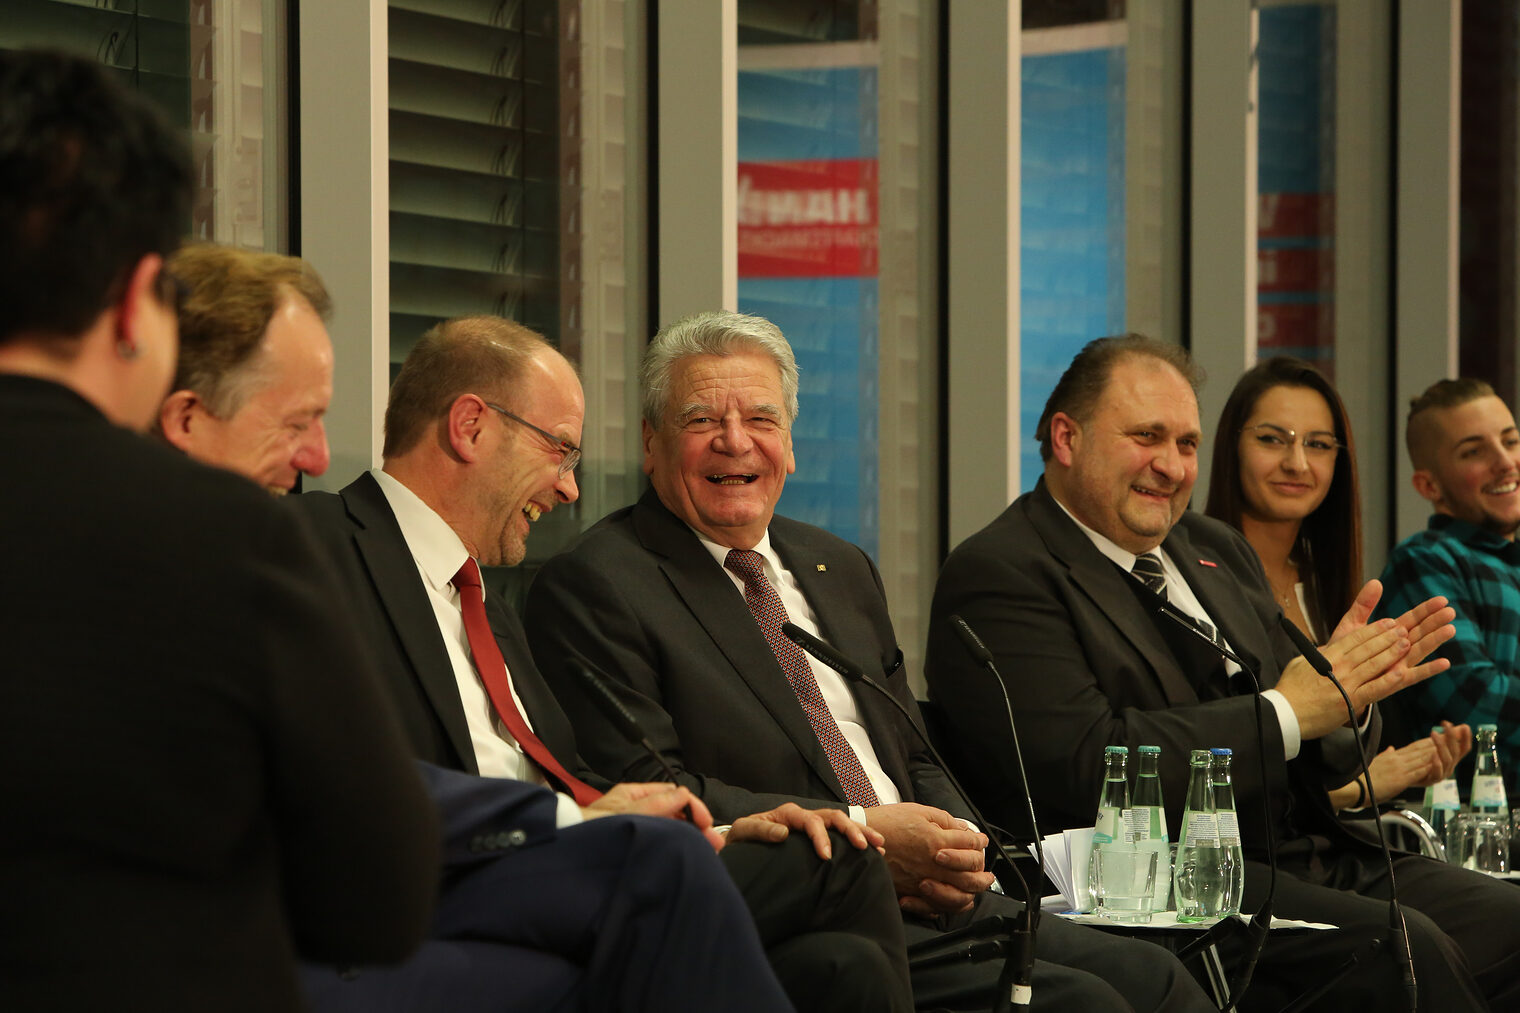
<point>1303,645</point>
<point>1397,929</point>
<point>611,708</point>
<point>1261,921</point>
<point>982,656</point>
<point>1014,983</point>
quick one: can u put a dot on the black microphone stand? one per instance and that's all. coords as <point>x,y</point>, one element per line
<point>1398,931</point>
<point>1261,921</point>
<point>612,709</point>
<point>1014,988</point>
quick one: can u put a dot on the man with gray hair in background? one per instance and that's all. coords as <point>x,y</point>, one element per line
<point>680,599</point>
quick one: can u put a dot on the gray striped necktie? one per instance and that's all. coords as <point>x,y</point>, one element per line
<point>1150,572</point>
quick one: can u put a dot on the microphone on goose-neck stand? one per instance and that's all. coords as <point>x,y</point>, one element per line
<point>611,708</point>
<point>1397,929</point>
<point>982,656</point>
<point>1014,983</point>
<point>1261,921</point>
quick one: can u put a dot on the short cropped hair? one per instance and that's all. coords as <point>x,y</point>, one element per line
<point>1441,394</point>
<point>483,355</point>
<point>233,294</point>
<point>92,179</point>
<point>716,332</point>
<point>1077,392</point>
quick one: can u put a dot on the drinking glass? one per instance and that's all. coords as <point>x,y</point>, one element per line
<point>1123,879</point>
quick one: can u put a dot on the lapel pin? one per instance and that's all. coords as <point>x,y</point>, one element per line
<point>822,568</point>
<point>1205,562</point>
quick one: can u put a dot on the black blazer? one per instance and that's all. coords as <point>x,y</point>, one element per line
<point>1086,666</point>
<point>641,600</point>
<point>184,810</point>
<point>391,606</point>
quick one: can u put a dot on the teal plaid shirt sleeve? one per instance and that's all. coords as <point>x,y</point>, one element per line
<point>1481,580</point>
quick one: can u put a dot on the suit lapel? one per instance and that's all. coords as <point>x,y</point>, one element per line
<point>719,608</point>
<point>1219,595</point>
<point>390,565</point>
<point>846,627</point>
<point>1094,575</point>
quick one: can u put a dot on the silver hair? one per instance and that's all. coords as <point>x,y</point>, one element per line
<point>716,332</point>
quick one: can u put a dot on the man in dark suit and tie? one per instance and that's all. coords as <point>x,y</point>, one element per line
<point>1062,588</point>
<point>481,440</point>
<point>680,597</point>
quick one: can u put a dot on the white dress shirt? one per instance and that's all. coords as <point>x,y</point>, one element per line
<point>836,692</point>
<point>1181,597</point>
<point>439,553</point>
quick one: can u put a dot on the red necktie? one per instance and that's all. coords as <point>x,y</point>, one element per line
<point>493,672</point>
<point>765,605</point>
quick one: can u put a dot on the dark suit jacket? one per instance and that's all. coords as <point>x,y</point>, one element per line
<point>641,600</point>
<point>183,813</point>
<point>1086,667</point>
<point>392,608</point>
<point>486,816</point>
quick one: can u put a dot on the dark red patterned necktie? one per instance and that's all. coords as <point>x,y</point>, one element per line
<point>493,672</point>
<point>765,604</point>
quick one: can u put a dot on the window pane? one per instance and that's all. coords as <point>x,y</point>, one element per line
<point>220,82</point>
<point>1296,181</point>
<point>1072,208</point>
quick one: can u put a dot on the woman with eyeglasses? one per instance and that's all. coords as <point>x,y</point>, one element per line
<point>1284,473</point>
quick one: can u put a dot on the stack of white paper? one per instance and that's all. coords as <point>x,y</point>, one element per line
<point>1066,856</point>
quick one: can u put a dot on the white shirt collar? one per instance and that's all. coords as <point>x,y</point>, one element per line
<point>1120,555</point>
<point>720,552</point>
<point>435,546</point>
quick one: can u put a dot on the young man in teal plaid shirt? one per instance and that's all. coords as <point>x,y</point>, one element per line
<point>1465,449</point>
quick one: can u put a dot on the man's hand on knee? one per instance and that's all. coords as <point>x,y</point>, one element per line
<point>774,825</point>
<point>937,863</point>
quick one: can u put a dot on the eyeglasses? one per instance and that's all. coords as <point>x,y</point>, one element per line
<point>1276,438</point>
<point>572,453</point>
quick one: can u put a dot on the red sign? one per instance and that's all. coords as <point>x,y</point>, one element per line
<point>808,219</point>
<point>1295,270</point>
<point>1295,214</point>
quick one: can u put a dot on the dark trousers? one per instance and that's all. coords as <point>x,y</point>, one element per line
<point>831,929</point>
<point>1464,933</point>
<point>1076,968</point>
<point>623,912</point>
<point>634,914</point>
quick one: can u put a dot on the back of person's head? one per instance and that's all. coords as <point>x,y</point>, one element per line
<point>1329,545</point>
<point>482,355</point>
<point>715,332</point>
<point>1081,387</point>
<point>1420,425</point>
<point>92,179</point>
<point>232,295</point>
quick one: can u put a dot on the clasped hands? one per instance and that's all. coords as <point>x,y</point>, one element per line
<point>1371,660</point>
<point>937,862</point>
<point>770,827</point>
<point>1422,763</point>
